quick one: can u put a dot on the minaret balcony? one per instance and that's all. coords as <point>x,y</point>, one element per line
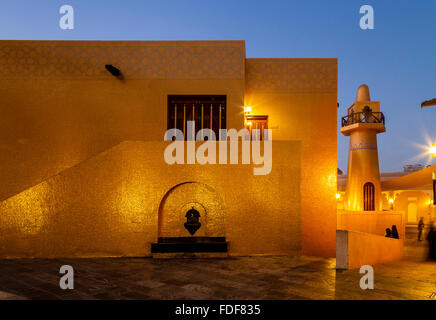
<point>363,121</point>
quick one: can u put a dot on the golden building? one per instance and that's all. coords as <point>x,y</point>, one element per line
<point>411,193</point>
<point>82,152</point>
<point>362,124</point>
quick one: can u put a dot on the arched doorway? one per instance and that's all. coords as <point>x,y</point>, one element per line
<point>412,212</point>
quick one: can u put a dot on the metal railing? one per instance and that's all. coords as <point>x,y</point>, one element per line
<point>363,117</point>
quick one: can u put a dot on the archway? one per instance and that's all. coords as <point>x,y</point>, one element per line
<point>412,212</point>
<point>186,196</point>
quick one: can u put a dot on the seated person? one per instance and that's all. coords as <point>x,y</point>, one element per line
<point>388,233</point>
<point>395,234</point>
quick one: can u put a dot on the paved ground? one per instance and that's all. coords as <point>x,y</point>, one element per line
<point>236,278</point>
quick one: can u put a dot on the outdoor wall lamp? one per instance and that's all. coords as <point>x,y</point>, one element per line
<point>113,70</point>
<point>391,204</point>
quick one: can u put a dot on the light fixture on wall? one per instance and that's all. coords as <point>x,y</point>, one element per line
<point>113,70</point>
<point>391,204</point>
<point>338,196</point>
<point>247,112</point>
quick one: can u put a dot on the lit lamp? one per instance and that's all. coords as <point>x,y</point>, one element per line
<point>247,112</point>
<point>338,196</point>
<point>391,203</point>
<point>433,151</point>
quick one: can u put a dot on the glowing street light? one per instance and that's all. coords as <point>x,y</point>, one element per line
<point>433,150</point>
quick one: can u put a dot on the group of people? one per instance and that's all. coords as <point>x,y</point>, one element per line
<point>392,233</point>
<point>431,237</point>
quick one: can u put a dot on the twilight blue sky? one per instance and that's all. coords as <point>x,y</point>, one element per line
<point>397,59</point>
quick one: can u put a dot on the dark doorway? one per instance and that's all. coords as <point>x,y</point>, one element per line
<point>368,197</point>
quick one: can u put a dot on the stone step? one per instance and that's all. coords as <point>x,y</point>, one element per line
<point>192,240</point>
<point>190,245</point>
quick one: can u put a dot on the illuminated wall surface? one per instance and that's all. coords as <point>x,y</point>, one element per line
<point>404,199</point>
<point>81,152</point>
<point>363,166</point>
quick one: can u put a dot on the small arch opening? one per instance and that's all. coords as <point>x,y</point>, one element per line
<point>369,197</point>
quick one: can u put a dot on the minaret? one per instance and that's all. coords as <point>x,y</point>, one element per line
<point>363,122</point>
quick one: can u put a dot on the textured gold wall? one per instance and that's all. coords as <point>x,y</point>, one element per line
<point>60,106</point>
<point>300,98</point>
<point>356,249</point>
<point>62,115</point>
<point>420,198</point>
<point>374,222</point>
<point>109,205</point>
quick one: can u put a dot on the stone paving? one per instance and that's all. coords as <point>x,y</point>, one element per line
<point>271,277</point>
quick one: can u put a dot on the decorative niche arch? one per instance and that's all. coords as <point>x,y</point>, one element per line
<point>186,196</point>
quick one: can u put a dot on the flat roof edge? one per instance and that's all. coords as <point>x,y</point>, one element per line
<point>287,59</point>
<point>242,42</point>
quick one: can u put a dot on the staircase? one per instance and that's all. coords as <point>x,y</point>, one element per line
<point>411,231</point>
